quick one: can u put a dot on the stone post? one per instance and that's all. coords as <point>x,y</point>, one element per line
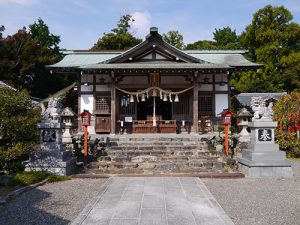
<point>52,156</point>
<point>263,157</point>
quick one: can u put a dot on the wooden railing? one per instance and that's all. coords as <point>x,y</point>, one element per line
<point>146,126</point>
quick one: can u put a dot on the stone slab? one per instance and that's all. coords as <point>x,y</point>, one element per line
<point>161,201</point>
<point>267,171</point>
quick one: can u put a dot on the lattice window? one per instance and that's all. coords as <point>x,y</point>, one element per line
<point>205,105</point>
<point>103,104</point>
<point>183,106</point>
<point>127,107</point>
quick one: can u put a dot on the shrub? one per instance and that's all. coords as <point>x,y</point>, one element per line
<point>289,143</point>
<point>27,178</point>
<point>18,130</point>
<point>57,178</point>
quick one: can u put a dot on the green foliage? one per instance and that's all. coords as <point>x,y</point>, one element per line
<point>113,41</point>
<point>2,29</point>
<point>220,128</point>
<point>286,106</point>
<point>23,57</point>
<point>57,178</point>
<point>18,126</point>
<point>289,143</point>
<point>202,45</point>
<point>174,38</point>
<point>40,32</point>
<point>226,38</point>
<point>119,38</point>
<point>15,167</point>
<point>28,178</point>
<point>273,40</point>
<point>251,81</point>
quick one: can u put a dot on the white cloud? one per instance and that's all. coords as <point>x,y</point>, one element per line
<point>20,2</point>
<point>141,22</point>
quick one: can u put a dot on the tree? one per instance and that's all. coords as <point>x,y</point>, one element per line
<point>2,29</point>
<point>23,60</point>
<point>40,32</point>
<point>226,38</point>
<point>202,45</point>
<point>174,38</point>
<point>18,130</point>
<point>271,35</point>
<point>273,39</point>
<point>286,111</point>
<point>119,38</point>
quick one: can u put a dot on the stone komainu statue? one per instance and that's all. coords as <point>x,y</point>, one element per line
<point>53,111</point>
<point>261,111</point>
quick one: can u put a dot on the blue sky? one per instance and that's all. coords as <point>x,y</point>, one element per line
<point>81,22</point>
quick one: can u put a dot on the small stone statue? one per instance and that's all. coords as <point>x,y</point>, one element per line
<point>52,113</point>
<point>261,111</point>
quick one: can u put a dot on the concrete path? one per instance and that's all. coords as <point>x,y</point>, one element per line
<point>153,201</point>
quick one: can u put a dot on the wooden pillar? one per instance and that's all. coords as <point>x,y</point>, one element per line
<point>195,108</point>
<point>113,110</point>
<point>79,127</point>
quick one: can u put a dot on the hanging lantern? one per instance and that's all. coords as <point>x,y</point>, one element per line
<point>131,98</point>
<point>143,98</point>
<point>176,99</point>
<point>137,98</point>
<point>161,94</point>
<point>154,93</point>
<point>170,97</point>
<point>147,94</point>
<point>165,98</point>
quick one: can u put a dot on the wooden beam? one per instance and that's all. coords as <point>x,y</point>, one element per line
<point>113,110</point>
<point>195,109</point>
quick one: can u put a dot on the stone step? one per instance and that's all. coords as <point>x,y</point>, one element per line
<point>153,138</point>
<point>130,154</point>
<point>162,168</point>
<point>158,147</point>
<point>141,143</point>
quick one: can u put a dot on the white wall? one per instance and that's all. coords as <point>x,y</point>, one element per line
<point>221,88</point>
<point>87,103</point>
<point>206,87</point>
<point>87,87</point>
<point>221,103</point>
<point>135,80</point>
<point>173,80</point>
<point>102,88</point>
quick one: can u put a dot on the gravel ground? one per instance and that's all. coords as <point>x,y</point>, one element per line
<point>56,203</point>
<point>259,201</point>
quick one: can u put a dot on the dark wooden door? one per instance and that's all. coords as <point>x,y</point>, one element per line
<point>102,124</point>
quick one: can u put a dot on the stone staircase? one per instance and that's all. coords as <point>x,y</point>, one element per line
<point>155,154</point>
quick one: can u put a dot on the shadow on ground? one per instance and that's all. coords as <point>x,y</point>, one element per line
<point>25,209</point>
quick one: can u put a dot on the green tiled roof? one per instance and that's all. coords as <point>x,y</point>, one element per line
<point>165,65</point>
<point>221,57</point>
<point>77,59</point>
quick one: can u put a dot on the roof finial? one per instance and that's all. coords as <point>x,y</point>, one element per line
<point>153,30</point>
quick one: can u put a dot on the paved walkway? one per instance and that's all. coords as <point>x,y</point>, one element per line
<point>153,201</point>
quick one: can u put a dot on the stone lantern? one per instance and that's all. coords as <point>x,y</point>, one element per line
<point>67,116</point>
<point>244,117</point>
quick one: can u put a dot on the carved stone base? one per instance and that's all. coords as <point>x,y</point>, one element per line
<point>263,157</point>
<point>263,170</point>
<point>64,168</point>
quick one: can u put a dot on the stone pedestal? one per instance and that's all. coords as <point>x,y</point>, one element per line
<point>244,135</point>
<point>52,156</point>
<point>263,157</point>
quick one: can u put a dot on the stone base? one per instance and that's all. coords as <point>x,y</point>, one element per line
<point>279,169</point>
<point>64,168</point>
<point>267,172</point>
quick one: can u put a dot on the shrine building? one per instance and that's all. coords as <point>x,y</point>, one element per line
<point>152,87</point>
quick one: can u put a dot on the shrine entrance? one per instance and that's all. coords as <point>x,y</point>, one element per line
<point>145,109</point>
